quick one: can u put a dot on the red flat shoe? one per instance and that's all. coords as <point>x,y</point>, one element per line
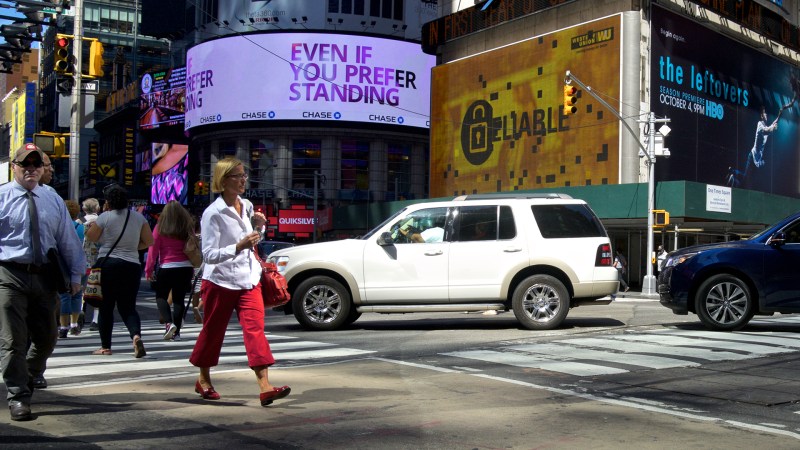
<point>275,394</point>
<point>208,394</point>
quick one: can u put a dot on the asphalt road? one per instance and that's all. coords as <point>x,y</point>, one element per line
<point>626,375</point>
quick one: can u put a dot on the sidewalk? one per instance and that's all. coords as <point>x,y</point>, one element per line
<point>635,296</point>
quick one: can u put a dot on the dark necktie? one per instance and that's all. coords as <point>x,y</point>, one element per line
<point>34,216</point>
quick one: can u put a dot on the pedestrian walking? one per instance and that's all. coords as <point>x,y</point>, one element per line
<point>34,220</point>
<point>121,269</point>
<point>91,208</point>
<point>661,258</point>
<point>231,281</point>
<point>621,264</point>
<point>71,303</point>
<point>174,228</point>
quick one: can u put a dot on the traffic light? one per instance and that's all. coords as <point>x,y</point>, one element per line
<point>198,187</point>
<point>660,218</point>
<point>203,188</point>
<point>570,98</point>
<point>64,62</point>
<point>96,59</point>
<point>53,144</point>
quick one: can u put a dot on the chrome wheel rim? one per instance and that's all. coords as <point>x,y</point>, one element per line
<point>322,304</point>
<point>541,303</point>
<point>726,303</point>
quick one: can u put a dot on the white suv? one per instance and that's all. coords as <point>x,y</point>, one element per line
<point>536,254</point>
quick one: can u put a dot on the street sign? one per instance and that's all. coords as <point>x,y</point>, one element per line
<point>90,86</point>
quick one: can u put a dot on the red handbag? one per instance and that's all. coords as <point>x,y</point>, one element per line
<point>274,288</point>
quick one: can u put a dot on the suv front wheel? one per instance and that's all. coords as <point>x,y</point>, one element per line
<point>321,303</point>
<point>724,303</point>
<point>540,302</point>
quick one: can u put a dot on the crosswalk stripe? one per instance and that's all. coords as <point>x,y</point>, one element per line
<point>765,338</point>
<point>520,360</point>
<point>653,362</point>
<point>683,341</point>
<point>73,356</point>
<point>657,349</point>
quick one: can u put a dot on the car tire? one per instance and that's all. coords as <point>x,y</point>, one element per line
<point>724,303</point>
<point>321,303</point>
<point>353,316</point>
<point>540,302</point>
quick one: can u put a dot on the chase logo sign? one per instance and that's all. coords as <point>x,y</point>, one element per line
<point>592,37</point>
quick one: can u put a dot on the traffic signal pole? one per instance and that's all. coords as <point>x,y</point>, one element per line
<point>76,110</point>
<point>649,280</point>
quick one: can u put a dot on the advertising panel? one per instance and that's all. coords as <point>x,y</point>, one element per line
<point>308,76</point>
<point>733,119</point>
<point>296,221</point>
<point>170,173</point>
<point>499,122</point>
<point>163,98</point>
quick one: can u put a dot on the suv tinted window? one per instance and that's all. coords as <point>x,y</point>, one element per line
<point>508,229</point>
<point>480,223</point>
<point>477,223</point>
<point>567,221</point>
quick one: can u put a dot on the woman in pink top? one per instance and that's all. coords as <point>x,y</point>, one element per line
<point>175,226</point>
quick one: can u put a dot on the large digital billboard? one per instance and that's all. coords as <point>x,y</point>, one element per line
<point>170,171</point>
<point>162,101</point>
<point>308,76</point>
<point>498,120</point>
<point>733,110</point>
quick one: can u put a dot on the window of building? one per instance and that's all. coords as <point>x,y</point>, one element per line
<point>355,165</point>
<point>306,159</point>
<point>262,163</point>
<point>398,168</point>
<point>387,9</point>
<point>355,7</point>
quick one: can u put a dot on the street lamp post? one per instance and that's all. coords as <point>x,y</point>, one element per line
<point>649,280</point>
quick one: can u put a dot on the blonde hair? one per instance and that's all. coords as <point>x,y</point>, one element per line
<point>175,221</point>
<point>91,206</point>
<point>221,170</point>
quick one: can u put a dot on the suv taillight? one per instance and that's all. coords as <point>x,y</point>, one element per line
<point>604,258</point>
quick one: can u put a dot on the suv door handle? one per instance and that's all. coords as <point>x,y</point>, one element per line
<point>512,250</point>
<point>434,253</point>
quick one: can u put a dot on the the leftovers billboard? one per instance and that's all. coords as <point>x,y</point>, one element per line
<point>733,110</point>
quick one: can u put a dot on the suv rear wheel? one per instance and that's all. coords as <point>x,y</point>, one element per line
<point>540,302</point>
<point>321,303</point>
<point>724,303</point>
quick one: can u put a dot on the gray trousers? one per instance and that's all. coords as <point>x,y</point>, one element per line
<point>27,310</point>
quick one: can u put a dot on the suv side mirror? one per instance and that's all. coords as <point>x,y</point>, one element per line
<point>777,239</point>
<point>385,239</point>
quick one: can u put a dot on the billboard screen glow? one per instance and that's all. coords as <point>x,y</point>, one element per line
<point>308,76</point>
<point>499,120</point>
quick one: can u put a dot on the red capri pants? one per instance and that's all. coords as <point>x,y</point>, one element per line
<point>218,304</point>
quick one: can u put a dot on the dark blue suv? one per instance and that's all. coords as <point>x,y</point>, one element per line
<point>725,284</point>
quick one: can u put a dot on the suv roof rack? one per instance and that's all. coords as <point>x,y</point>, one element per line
<point>512,195</point>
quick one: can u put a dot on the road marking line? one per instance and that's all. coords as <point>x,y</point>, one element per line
<point>622,401</point>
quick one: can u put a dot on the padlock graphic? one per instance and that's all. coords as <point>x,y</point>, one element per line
<point>475,140</point>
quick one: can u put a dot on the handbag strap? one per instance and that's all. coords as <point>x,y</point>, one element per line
<point>128,216</point>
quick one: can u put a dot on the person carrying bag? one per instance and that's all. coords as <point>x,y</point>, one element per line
<point>122,234</point>
<point>93,294</point>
